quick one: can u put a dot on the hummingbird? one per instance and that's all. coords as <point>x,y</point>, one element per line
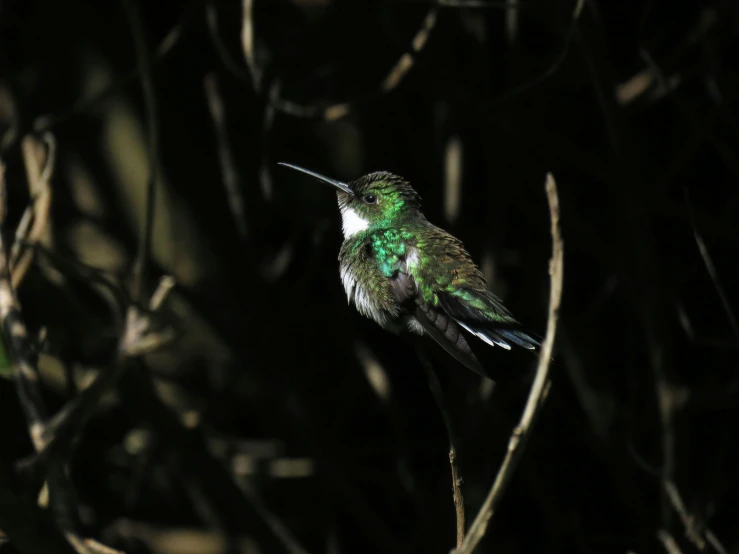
<point>409,275</point>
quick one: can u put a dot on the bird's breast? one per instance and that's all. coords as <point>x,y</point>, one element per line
<point>364,294</point>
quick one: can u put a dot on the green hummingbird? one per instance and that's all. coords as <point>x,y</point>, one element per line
<point>407,274</point>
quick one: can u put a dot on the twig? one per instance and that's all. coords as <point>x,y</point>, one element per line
<point>405,63</point>
<point>166,284</point>
<point>147,87</point>
<point>668,541</point>
<point>9,123</point>
<point>25,374</point>
<point>225,155</point>
<point>268,119</point>
<point>47,122</point>
<point>26,377</point>
<point>187,453</point>
<point>281,531</point>
<point>505,5</point>
<point>454,152</point>
<point>693,531</point>
<point>457,495</point>
<point>666,402</point>
<point>337,110</point>
<point>538,389</point>
<point>25,525</point>
<point>35,220</point>
<point>604,104</point>
<point>435,387</point>
<point>714,542</point>
<point>211,18</point>
<point>247,43</point>
<point>89,274</point>
<point>688,521</point>
<point>511,20</point>
<point>3,197</point>
<point>551,70</point>
<point>59,432</point>
<point>708,261</point>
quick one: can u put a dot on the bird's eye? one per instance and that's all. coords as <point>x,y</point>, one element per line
<point>370,199</point>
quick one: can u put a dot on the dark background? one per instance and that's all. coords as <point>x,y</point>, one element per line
<point>270,376</point>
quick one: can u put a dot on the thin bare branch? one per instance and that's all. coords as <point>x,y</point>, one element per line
<point>35,221</point>
<point>211,18</point>
<point>25,525</point>
<point>152,122</point>
<point>695,532</point>
<point>505,5</point>
<point>231,180</point>
<point>278,528</point>
<point>171,39</point>
<point>25,374</point>
<point>457,495</point>
<point>3,195</point>
<point>551,70</point>
<point>247,43</point>
<point>711,268</point>
<point>405,63</point>
<point>669,542</point>
<point>715,543</point>
<point>511,20</point>
<point>338,110</point>
<point>539,388</point>
<point>26,377</point>
<point>137,340</point>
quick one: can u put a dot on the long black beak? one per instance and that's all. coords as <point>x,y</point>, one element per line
<point>338,184</point>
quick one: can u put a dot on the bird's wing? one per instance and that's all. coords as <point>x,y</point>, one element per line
<point>449,280</point>
<point>481,313</point>
<point>434,321</point>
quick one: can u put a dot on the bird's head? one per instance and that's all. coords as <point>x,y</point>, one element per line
<point>376,201</point>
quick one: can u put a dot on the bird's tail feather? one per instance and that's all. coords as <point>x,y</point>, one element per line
<point>518,338</point>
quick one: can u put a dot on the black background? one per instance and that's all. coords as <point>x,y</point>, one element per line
<point>641,316</point>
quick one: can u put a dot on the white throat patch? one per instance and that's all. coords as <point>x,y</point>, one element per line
<point>352,222</point>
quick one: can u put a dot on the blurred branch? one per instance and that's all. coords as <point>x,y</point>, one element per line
<point>511,20</point>
<point>24,524</point>
<point>176,540</point>
<point>3,195</point>
<point>507,5</point>
<point>599,406</point>
<point>550,71</point>
<point>8,118</point>
<point>247,43</point>
<point>539,388</point>
<point>211,18</point>
<point>457,496</point>
<point>711,268</point>
<point>188,454</point>
<point>137,340</point>
<point>265,169</point>
<point>35,221</point>
<point>338,110</point>
<point>696,533</point>
<point>152,122</point>
<point>89,274</point>
<point>171,39</point>
<point>405,63</point>
<point>668,541</point>
<point>24,372</point>
<point>275,524</point>
<point>26,378</point>
<point>231,179</point>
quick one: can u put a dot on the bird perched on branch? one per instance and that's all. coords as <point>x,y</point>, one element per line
<point>407,274</point>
